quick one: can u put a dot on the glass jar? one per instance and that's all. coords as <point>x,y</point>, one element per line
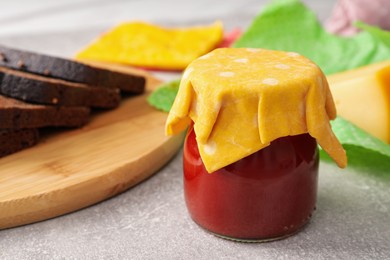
<point>268,195</point>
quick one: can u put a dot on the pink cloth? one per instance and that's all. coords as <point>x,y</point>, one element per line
<point>346,12</point>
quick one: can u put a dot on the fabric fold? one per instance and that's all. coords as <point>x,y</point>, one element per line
<point>241,99</point>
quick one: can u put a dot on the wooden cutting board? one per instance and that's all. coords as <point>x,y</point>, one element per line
<point>72,169</point>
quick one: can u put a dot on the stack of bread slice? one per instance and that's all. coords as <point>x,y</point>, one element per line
<point>39,91</point>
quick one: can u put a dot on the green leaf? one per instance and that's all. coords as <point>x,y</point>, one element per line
<point>162,98</point>
<point>364,151</point>
<point>290,26</point>
<point>381,35</point>
<point>353,135</point>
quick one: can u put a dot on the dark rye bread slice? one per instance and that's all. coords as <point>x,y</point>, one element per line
<point>69,70</point>
<point>14,140</point>
<point>42,90</point>
<point>16,114</point>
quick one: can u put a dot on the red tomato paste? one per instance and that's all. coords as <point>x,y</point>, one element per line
<point>268,195</point>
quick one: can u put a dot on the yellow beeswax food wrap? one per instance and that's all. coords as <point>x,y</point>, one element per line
<point>150,46</point>
<point>241,99</point>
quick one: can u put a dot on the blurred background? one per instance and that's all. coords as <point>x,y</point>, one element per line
<point>62,27</point>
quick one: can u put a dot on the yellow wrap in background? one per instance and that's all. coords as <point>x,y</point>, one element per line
<point>242,99</point>
<point>151,46</point>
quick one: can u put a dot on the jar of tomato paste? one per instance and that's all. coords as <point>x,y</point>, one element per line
<point>267,195</point>
<point>254,120</point>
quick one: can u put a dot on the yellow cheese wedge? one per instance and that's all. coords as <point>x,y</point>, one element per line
<point>240,100</point>
<point>362,96</point>
<point>152,46</point>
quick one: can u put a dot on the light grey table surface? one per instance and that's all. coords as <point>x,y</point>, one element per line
<point>150,220</point>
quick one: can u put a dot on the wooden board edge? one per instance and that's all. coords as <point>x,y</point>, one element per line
<point>59,202</point>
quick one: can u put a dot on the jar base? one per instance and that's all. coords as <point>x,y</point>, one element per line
<point>255,240</point>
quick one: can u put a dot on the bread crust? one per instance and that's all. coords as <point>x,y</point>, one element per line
<point>42,90</point>
<point>70,70</point>
<point>16,114</point>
